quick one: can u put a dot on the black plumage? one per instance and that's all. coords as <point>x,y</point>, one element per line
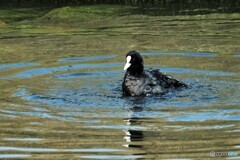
<point>140,82</point>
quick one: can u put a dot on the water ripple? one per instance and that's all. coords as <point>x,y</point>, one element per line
<point>45,71</point>
<point>45,150</point>
<point>17,65</point>
<point>82,59</point>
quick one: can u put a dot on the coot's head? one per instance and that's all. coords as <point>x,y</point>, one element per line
<point>134,64</point>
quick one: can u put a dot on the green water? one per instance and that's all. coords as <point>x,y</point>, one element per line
<point>60,80</point>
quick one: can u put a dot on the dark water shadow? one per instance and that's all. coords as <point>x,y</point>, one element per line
<point>201,7</point>
<point>153,8</point>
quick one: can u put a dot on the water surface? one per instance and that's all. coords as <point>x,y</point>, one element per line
<point>73,108</point>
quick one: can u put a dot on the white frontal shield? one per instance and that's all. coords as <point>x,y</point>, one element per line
<point>128,64</point>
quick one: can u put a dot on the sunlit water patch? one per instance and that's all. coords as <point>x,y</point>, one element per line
<point>14,156</point>
<point>21,139</point>
<point>237,55</point>
<point>76,107</point>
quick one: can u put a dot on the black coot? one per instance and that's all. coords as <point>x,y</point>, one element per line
<point>140,82</point>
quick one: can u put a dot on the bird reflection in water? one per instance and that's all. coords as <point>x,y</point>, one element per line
<point>134,134</point>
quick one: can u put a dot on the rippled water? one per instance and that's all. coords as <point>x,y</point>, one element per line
<point>73,108</point>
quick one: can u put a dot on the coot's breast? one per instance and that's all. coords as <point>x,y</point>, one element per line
<point>145,84</point>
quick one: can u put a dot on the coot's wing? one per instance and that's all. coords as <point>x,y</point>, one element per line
<point>167,81</point>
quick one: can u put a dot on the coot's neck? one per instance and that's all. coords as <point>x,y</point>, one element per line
<point>136,70</point>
